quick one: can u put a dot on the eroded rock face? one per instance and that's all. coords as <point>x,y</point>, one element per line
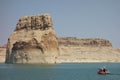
<point>41,22</point>
<point>2,53</point>
<point>73,41</point>
<point>33,41</point>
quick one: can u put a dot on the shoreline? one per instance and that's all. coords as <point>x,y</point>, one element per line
<point>62,63</point>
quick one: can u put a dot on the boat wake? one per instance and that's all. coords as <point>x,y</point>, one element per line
<point>114,74</point>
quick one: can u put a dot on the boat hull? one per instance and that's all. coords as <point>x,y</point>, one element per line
<point>103,73</point>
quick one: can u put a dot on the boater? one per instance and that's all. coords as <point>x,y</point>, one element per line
<point>103,70</point>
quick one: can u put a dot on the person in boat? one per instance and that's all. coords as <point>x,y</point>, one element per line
<point>103,70</point>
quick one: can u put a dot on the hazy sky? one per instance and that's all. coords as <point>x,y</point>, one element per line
<point>76,18</point>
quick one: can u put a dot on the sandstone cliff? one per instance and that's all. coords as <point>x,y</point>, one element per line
<point>33,41</point>
<point>2,53</point>
<point>87,50</point>
<point>73,41</point>
<point>73,50</point>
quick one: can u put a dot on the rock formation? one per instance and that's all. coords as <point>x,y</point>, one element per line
<point>73,50</point>
<point>87,50</point>
<point>73,41</point>
<point>2,53</point>
<point>33,41</point>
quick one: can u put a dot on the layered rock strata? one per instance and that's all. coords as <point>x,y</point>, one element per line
<point>33,41</point>
<point>2,53</point>
<point>87,50</point>
<point>73,41</point>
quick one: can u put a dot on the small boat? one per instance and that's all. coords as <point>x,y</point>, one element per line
<point>103,71</point>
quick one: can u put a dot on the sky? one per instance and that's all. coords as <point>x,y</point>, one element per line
<point>71,18</point>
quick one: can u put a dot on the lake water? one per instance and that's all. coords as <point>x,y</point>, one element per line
<point>71,71</point>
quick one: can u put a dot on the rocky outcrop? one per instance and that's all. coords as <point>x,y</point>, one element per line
<point>72,52</point>
<point>73,41</point>
<point>2,53</point>
<point>88,54</point>
<point>86,50</point>
<point>33,41</point>
<point>41,22</point>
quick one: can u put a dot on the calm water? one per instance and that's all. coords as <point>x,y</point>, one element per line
<point>76,71</point>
